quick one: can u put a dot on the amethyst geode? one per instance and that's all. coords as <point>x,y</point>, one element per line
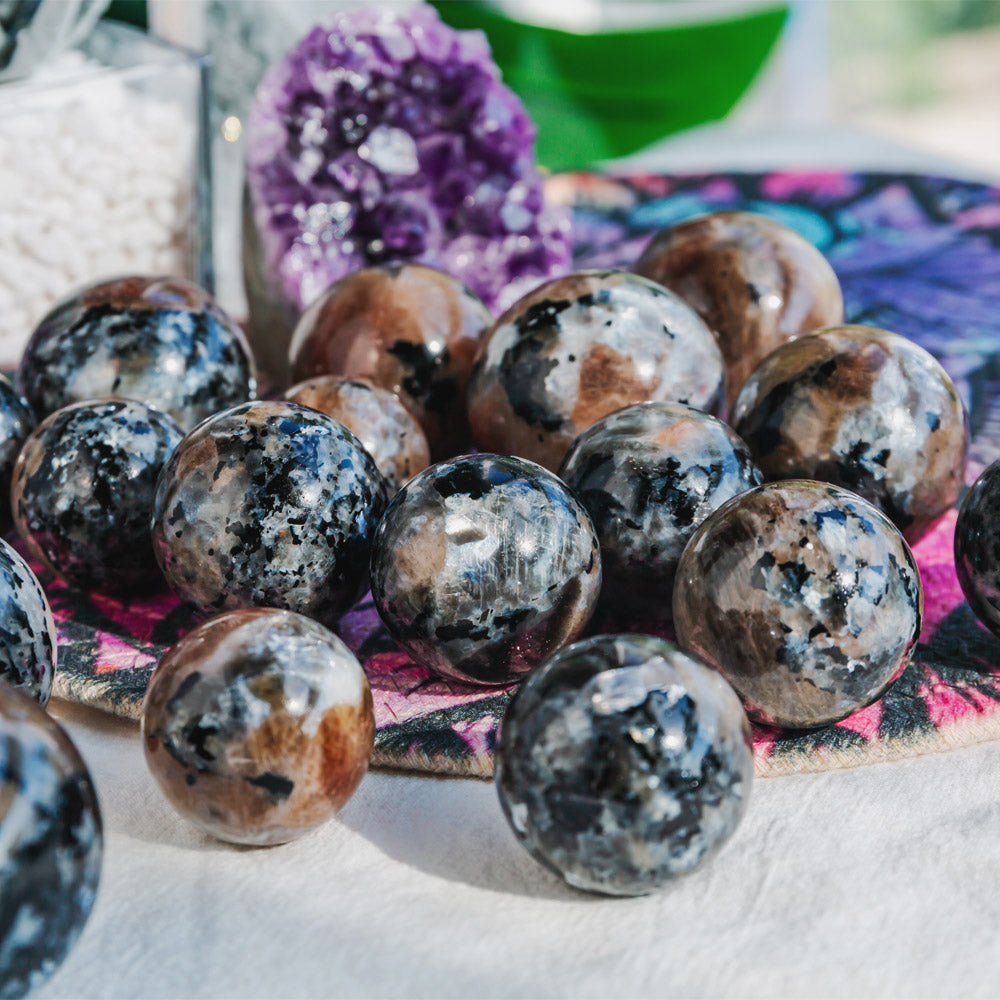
<point>389,136</point>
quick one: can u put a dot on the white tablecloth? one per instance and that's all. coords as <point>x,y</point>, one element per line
<point>883,881</point>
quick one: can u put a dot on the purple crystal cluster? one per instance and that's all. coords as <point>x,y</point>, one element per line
<point>388,136</point>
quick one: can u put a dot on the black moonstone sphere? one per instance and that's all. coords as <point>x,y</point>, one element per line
<point>648,476</point>
<point>623,763</point>
<point>484,566</point>
<point>16,422</point>
<point>28,630</point>
<point>268,504</point>
<point>50,844</point>
<point>163,341</point>
<point>83,492</point>
<point>977,548</point>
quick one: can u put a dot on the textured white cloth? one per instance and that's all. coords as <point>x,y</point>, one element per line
<point>881,881</point>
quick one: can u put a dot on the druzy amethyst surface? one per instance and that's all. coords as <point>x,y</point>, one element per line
<point>387,135</point>
<point>804,597</point>
<point>484,566</point>
<point>27,629</point>
<point>268,504</point>
<point>623,763</point>
<point>83,492</point>
<point>51,844</point>
<point>648,476</point>
<point>977,547</point>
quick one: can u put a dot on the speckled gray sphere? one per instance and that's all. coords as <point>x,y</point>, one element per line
<point>623,763</point>
<point>51,844</point>
<point>160,340</point>
<point>648,476</point>
<point>28,631</point>
<point>804,597</point>
<point>268,504</point>
<point>16,422</point>
<point>83,492</point>
<point>484,566</point>
<point>977,548</point>
<point>576,349</point>
<point>864,409</point>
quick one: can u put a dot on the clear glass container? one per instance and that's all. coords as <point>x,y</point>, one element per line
<point>104,170</point>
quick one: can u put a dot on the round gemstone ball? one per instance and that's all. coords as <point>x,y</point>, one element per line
<point>258,725</point>
<point>51,844</point>
<point>163,341</point>
<point>649,475</point>
<point>28,637</point>
<point>865,409</point>
<point>804,597</point>
<point>484,566</point>
<point>623,763</point>
<point>16,422</point>
<point>382,424</point>
<point>755,282</point>
<point>410,329</point>
<point>83,491</point>
<point>578,348</point>
<point>977,548</point>
<point>268,504</point>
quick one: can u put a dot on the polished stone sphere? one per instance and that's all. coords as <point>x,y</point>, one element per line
<point>649,475</point>
<point>258,725</point>
<point>16,422</point>
<point>755,282</point>
<point>977,548</point>
<point>864,409</point>
<point>162,341</point>
<point>268,504</point>
<point>484,566</point>
<point>51,844</point>
<point>580,347</point>
<point>28,645</point>
<point>804,597</point>
<point>382,424</point>
<point>623,763</point>
<point>407,328</point>
<point>83,492</point>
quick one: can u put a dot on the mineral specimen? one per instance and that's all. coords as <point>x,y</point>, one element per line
<point>83,492</point>
<point>162,341</point>
<point>484,566</point>
<point>622,763</point>
<point>258,725</point>
<point>755,282</point>
<point>16,422</point>
<point>805,598</point>
<point>268,504</point>
<point>977,547</point>
<point>865,409</point>
<point>578,348</point>
<point>28,632</point>
<point>50,844</point>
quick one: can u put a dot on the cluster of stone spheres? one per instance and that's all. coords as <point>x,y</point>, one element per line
<point>775,545</point>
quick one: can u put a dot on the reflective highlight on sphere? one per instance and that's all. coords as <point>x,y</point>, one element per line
<point>159,340</point>
<point>864,409</point>
<point>977,548</point>
<point>51,844</point>
<point>805,598</point>
<point>407,328</point>
<point>580,347</point>
<point>258,725</point>
<point>648,476</point>
<point>755,282</point>
<point>268,504</point>
<point>623,763</point>
<point>83,492</point>
<point>382,424</point>
<point>28,646</point>
<point>484,566</point>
